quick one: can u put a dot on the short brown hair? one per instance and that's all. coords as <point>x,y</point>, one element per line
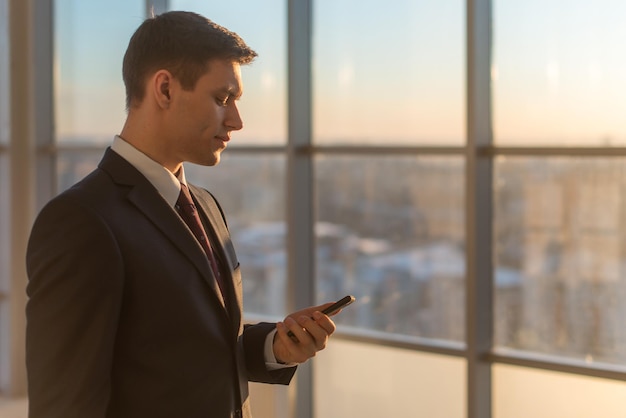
<point>182,43</point>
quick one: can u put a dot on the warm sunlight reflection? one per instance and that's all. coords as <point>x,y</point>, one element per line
<point>521,393</point>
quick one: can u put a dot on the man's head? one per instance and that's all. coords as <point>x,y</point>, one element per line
<point>183,80</point>
<point>182,43</point>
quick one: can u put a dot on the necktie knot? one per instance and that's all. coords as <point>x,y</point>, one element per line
<point>184,198</point>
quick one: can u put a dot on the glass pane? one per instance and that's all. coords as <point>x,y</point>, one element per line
<point>389,74</point>
<point>558,72</point>
<point>522,392</point>
<point>560,251</point>
<point>72,166</point>
<point>390,230</point>
<point>250,189</point>
<point>90,38</point>
<point>263,26</point>
<point>372,381</point>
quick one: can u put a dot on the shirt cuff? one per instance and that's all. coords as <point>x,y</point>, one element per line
<point>270,359</point>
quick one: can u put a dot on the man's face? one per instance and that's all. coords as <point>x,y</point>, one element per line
<point>202,119</point>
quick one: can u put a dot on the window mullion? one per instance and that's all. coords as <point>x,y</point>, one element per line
<point>300,194</point>
<point>479,180</point>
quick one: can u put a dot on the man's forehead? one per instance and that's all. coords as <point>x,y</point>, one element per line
<point>225,76</point>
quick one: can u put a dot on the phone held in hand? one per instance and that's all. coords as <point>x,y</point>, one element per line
<point>332,309</point>
<point>340,304</point>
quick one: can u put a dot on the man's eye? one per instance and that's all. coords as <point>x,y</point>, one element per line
<point>222,101</point>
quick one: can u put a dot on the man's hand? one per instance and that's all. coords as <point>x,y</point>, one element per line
<point>310,329</point>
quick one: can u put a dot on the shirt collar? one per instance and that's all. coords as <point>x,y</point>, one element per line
<point>166,183</point>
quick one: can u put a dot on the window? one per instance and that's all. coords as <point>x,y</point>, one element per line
<point>388,74</point>
<point>389,175</point>
<point>390,228</point>
<point>560,235</point>
<point>558,73</point>
<point>391,147</point>
<point>559,229</point>
<point>390,231</point>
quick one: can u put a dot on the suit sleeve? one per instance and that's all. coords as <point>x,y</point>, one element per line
<point>254,342</point>
<point>75,292</point>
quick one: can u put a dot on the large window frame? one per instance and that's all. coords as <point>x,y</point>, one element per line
<point>33,152</point>
<point>479,154</point>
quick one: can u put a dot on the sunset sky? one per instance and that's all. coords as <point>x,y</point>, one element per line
<point>381,75</point>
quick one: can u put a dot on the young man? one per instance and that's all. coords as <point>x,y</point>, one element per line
<point>135,305</point>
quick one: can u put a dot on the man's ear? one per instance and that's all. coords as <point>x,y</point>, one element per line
<point>161,87</point>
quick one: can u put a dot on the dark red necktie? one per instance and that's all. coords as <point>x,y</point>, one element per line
<point>187,210</point>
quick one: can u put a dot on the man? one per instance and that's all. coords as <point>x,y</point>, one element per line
<point>135,305</point>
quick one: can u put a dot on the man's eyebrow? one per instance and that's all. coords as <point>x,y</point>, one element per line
<point>231,91</point>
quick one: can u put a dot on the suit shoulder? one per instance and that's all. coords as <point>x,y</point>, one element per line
<point>91,193</point>
<point>97,183</point>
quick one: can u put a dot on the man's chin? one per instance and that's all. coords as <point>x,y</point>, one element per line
<point>216,160</point>
<point>209,161</point>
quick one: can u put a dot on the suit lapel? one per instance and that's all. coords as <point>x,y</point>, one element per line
<point>220,233</point>
<point>147,199</point>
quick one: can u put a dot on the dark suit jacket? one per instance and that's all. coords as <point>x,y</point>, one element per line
<point>125,318</point>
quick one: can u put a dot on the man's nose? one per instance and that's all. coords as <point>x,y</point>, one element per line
<point>233,118</point>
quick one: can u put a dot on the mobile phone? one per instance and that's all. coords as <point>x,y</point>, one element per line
<point>340,304</point>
